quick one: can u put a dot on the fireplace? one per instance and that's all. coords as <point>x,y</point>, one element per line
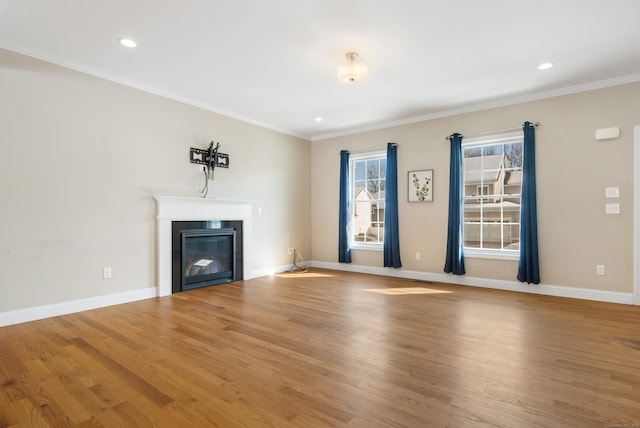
<point>205,253</point>
<point>172,209</point>
<point>208,257</point>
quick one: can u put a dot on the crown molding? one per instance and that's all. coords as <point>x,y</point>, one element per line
<point>504,102</point>
<point>600,84</point>
<point>81,68</point>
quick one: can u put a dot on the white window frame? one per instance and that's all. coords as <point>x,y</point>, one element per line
<point>353,158</point>
<point>490,253</point>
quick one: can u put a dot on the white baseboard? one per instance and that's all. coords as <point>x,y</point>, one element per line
<point>546,289</point>
<point>56,309</point>
<point>63,308</point>
<point>272,271</point>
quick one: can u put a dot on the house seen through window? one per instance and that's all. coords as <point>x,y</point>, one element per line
<point>368,173</point>
<point>491,204</point>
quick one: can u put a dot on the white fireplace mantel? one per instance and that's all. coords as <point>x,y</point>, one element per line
<point>177,208</point>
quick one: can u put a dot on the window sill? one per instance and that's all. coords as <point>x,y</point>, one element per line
<point>366,247</point>
<point>476,253</point>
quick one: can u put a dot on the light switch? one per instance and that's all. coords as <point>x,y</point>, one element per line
<point>612,192</point>
<point>612,208</point>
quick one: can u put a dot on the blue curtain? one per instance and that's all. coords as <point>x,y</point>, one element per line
<point>344,252</point>
<point>391,235</point>
<point>454,262</point>
<point>528,268</point>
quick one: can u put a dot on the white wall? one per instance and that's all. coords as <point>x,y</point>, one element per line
<point>573,171</point>
<point>80,159</point>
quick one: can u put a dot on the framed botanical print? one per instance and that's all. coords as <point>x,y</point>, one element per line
<point>420,185</point>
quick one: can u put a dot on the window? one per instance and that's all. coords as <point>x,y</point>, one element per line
<point>368,173</point>
<point>491,203</point>
<point>483,190</point>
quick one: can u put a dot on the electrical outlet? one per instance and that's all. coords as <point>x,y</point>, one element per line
<point>106,273</point>
<point>418,256</point>
<point>599,269</point>
<point>291,250</point>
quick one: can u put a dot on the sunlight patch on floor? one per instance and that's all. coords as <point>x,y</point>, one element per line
<point>406,290</point>
<point>303,275</point>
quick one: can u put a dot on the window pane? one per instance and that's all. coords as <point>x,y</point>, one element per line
<point>472,234</point>
<point>492,150</point>
<point>492,176</point>
<point>359,170</point>
<point>472,152</point>
<point>373,168</point>
<point>514,244</point>
<point>514,155</point>
<point>373,186</point>
<point>491,235</point>
<point>498,188</point>
<point>368,200</point>
<point>361,219</point>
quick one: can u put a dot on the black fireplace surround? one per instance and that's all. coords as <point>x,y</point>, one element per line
<point>205,253</point>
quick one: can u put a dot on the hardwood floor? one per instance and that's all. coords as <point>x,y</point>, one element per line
<point>327,349</point>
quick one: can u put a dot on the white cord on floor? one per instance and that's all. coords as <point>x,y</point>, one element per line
<point>295,267</point>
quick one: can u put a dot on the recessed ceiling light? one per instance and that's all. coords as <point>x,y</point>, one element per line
<point>318,119</point>
<point>128,43</point>
<point>545,66</point>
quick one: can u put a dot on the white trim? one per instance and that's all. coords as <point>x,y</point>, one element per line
<point>492,138</point>
<point>636,216</point>
<point>480,253</point>
<point>367,154</point>
<point>152,89</point>
<point>353,159</point>
<point>56,309</point>
<point>488,140</point>
<point>367,247</point>
<point>46,311</point>
<point>54,59</point>
<point>64,308</point>
<point>600,84</point>
<point>172,208</point>
<point>256,273</point>
<point>544,289</point>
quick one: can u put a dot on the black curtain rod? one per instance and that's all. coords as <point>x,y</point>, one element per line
<point>364,152</point>
<point>497,131</point>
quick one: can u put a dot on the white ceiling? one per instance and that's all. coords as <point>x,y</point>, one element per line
<point>274,62</point>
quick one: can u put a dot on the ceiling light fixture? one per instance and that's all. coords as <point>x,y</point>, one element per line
<point>545,66</point>
<point>318,119</point>
<point>354,71</point>
<point>128,43</point>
